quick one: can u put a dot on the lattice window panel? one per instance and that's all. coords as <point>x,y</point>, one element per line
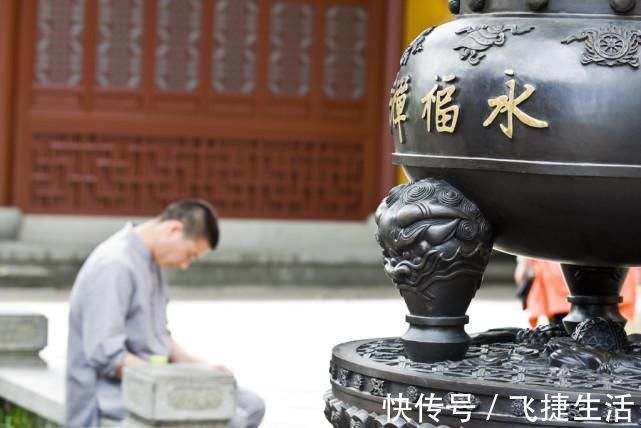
<point>125,175</point>
<point>346,51</point>
<point>236,73</point>
<point>178,33</point>
<point>291,37</point>
<point>235,38</point>
<point>59,45</point>
<point>119,46</point>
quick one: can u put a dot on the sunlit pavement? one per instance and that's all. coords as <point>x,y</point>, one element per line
<point>276,340</point>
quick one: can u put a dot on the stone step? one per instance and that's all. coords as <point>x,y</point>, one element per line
<point>251,252</point>
<point>46,271</point>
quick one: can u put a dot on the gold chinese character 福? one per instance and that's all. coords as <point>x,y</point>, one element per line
<point>509,104</point>
<point>446,117</point>
<point>397,104</point>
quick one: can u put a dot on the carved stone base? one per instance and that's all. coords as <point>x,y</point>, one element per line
<point>343,415</point>
<point>178,395</point>
<point>508,377</point>
<point>133,422</point>
<point>21,359</point>
<point>22,337</point>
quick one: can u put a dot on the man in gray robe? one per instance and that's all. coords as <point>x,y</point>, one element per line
<point>118,314</point>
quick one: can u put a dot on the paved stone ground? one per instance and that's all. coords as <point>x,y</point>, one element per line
<point>277,340</point>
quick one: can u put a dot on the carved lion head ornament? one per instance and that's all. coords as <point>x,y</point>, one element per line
<point>430,232</point>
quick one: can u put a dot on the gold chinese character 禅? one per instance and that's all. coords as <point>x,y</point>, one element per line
<point>397,104</point>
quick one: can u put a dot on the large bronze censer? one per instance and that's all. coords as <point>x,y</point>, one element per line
<point>518,125</point>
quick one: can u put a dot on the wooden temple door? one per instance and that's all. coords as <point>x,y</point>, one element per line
<point>266,108</point>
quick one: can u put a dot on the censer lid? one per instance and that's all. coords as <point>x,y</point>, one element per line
<point>591,7</point>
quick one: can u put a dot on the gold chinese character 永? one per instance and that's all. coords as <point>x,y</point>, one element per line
<point>446,117</point>
<point>510,105</point>
<point>397,104</point>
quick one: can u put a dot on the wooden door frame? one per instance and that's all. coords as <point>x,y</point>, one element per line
<point>20,122</point>
<point>8,38</point>
<point>393,47</point>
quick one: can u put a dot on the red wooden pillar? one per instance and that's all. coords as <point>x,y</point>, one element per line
<point>392,53</point>
<point>8,18</point>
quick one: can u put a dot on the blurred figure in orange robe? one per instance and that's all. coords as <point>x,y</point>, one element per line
<point>544,292</point>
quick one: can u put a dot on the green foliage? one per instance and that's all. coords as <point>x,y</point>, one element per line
<point>12,416</point>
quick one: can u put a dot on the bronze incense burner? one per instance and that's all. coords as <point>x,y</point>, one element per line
<point>516,124</point>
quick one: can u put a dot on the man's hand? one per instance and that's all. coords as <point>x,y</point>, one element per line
<point>129,360</point>
<point>179,355</point>
<point>223,369</point>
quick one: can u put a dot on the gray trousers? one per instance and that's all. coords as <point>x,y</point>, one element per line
<point>250,410</point>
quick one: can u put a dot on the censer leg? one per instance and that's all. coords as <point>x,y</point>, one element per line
<point>436,245</point>
<point>595,293</point>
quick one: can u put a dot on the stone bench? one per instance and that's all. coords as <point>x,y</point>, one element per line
<point>185,395</point>
<point>25,379</point>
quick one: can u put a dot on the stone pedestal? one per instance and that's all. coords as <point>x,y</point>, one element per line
<point>178,395</point>
<point>22,337</point>
<point>10,221</point>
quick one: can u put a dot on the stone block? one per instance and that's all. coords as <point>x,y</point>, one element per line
<point>178,393</point>
<point>139,423</point>
<point>22,337</point>
<point>10,221</point>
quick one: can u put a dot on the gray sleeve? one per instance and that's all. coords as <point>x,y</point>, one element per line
<point>105,306</point>
<point>165,300</point>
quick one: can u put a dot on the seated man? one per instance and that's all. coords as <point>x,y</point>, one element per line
<point>118,312</point>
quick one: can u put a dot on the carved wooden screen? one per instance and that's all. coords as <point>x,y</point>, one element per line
<point>267,108</point>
